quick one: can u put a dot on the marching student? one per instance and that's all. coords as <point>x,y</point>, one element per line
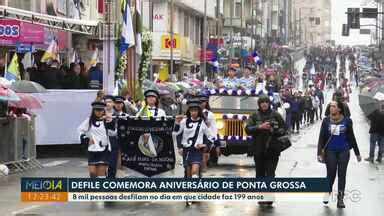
<point>94,132</point>
<point>109,105</point>
<point>115,158</point>
<point>193,129</point>
<point>151,107</point>
<point>211,123</point>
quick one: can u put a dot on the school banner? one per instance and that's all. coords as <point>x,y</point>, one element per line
<point>147,145</point>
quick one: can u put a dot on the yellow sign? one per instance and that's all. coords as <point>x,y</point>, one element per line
<point>166,42</point>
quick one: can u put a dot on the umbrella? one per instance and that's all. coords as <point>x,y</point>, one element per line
<point>4,82</point>
<point>196,82</point>
<point>7,94</point>
<point>173,86</point>
<point>183,85</point>
<point>163,87</point>
<point>147,84</point>
<point>367,103</point>
<point>27,101</point>
<point>25,86</point>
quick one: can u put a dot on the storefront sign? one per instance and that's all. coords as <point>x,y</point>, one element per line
<point>14,30</point>
<point>167,43</point>
<point>9,29</point>
<point>23,48</point>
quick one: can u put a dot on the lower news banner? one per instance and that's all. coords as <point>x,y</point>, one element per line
<point>171,189</point>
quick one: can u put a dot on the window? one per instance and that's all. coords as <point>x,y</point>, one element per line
<point>21,4</point>
<point>197,31</point>
<point>238,10</point>
<point>192,29</point>
<point>186,25</point>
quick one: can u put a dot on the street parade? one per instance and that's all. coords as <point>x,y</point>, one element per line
<point>170,108</point>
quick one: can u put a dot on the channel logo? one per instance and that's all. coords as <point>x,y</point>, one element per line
<point>43,185</point>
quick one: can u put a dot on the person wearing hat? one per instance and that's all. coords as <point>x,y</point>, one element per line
<point>231,81</point>
<point>109,101</point>
<point>247,81</point>
<point>115,159</point>
<point>95,132</point>
<point>210,120</point>
<point>167,103</point>
<point>151,107</point>
<point>193,129</point>
<point>265,126</point>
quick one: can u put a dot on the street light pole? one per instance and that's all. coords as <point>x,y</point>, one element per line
<point>108,49</point>
<point>205,41</point>
<point>172,42</point>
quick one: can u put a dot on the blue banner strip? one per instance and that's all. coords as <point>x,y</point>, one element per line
<point>173,185</point>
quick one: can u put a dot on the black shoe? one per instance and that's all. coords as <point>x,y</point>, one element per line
<point>340,200</point>
<point>326,198</point>
<point>378,160</point>
<point>369,159</point>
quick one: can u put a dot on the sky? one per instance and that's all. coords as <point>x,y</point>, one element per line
<point>339,7</point>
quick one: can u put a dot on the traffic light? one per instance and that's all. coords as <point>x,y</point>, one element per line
<point>354,18</point>
<point>345,30</point>
<point>369,13</point>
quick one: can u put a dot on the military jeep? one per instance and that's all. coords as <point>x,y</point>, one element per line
<point>232,110</point>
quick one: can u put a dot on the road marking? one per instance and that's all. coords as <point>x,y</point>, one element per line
<point>55,163</point>
<point>23,210</point>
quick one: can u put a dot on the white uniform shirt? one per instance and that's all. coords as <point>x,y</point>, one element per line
<point>160,112</point>
<point>190,132</point>
<point>211,122</point>
<point>97,134</point>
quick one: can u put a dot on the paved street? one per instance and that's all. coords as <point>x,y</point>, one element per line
<point>364,181</point>
<point>102,62</point>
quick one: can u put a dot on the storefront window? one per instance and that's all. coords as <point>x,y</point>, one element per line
<point>186,25</point>
<point>21,4</point>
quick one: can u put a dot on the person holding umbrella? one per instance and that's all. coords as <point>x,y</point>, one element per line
<point>376,133</point>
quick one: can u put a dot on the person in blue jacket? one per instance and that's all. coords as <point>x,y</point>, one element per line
<point>335,141</point>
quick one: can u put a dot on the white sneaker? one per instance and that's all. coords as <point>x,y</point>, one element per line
<point>326,198</point>
<point>121,174</point>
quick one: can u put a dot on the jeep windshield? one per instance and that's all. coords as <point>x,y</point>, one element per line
<point>233,103</point>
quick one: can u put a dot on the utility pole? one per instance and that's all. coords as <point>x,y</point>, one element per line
<point>252,23</point>
<point>300,28</point>
<point>151,29</point>
<point>109,48</point>
<point>382,24</point>
<point>377,23</point>
<point>294,28</point>
<point>205,33</point>
<point>172,42</point>
<point>241,36</point>
<point>231,36</point>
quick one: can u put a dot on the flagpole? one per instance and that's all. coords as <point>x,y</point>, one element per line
<point>6,63</point>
